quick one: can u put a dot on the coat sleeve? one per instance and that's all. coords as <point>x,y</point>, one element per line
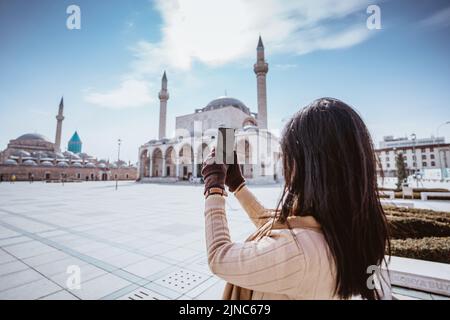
<point>255,210</point>
<point>272,264</point>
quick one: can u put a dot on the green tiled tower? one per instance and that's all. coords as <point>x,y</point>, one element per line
<point>75,143</point>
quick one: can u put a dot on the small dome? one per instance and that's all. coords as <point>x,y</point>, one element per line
<point>47,164</point>
<point>59,155</point>
<point>33,136</point>
<point>29,163</point>
<point>90,165</point>
<point>77,165</point>
<point>222,102</point>
<point>71,155</point>
<point>84,155</point>
<point>38,154</point>
<point>250,128</point>
<point>102,165</point>
<point>20,153</point>
<point>62,164</point>
<point>10,162</point>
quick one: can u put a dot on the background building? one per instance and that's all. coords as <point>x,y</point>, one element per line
<point>33,156</point>
<point>181,157</point>
<point>420,154</point>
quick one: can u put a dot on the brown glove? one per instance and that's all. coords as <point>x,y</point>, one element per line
<point>213,173</point>
<point>234,178</point>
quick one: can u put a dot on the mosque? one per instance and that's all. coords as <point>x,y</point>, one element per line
<point>33,156</point>
<point>181,157</point>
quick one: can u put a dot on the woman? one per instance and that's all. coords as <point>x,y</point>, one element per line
<point>329,230</point>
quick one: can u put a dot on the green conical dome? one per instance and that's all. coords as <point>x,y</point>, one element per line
<point>75,138</point>
<point>75,143</point>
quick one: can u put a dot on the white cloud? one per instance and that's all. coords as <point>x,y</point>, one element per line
<point>219,32</point>
<point>130,93</point>
<point>440,18</point>
<point>214,33</point>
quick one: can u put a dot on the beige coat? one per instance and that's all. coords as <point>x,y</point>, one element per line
<point>273,266</point>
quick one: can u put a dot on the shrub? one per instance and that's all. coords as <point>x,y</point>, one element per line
<point>409,227</point>
<point>430,248</point>
<point>417,213</point>
<point>419,234</point>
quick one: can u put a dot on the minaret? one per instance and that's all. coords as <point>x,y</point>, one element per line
<point>163,97</point>
<point>59,119</point>
<point>261,68</point>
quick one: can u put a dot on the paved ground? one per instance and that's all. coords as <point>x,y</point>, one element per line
<point>142,241</point>
<point>145,237</point>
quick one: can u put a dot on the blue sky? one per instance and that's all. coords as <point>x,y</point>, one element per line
<point>109,71</point>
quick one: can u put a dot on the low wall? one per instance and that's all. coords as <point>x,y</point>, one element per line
<point>41,173</point>
<point>425,276</point>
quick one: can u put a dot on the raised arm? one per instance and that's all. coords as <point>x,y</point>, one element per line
<point>255,210</point>
<point>256,265</point>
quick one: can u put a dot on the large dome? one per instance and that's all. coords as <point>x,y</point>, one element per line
<point>33,136</point>
<point>226,102</point>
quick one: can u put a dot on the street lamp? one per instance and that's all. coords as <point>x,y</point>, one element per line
<point>439,144</point>
<point>413,138</point>
<point>118,163</point>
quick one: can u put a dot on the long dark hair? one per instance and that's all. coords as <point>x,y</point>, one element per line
<point>329,166</point>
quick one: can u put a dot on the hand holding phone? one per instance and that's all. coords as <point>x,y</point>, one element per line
<point>225,146</point>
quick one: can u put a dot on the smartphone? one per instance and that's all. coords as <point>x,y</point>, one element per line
<point>225,146</point>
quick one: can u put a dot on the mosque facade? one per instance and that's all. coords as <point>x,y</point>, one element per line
<point>181,157</point>
<point>32,156</point>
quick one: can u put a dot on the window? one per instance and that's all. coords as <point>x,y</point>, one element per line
<point>414,164</point>
<point>431,149</point>
<point>414,157</point>
<point>423,150</point>
<point>431,156</point>
<point>433,164</point>
<point>405,157</point>
<point>424,164</point>
<point>78,175</point>
<point>387,158</point>
<point>424,157</point>
<point>388,165</point>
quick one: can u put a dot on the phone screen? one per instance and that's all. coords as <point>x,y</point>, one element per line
<point>225,146</point>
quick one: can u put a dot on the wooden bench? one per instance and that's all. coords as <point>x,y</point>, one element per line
<point>389,193</point>
<point>425,195</point>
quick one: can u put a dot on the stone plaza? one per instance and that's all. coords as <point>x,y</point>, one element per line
<point>146,238</point>
<point>142,241</point>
